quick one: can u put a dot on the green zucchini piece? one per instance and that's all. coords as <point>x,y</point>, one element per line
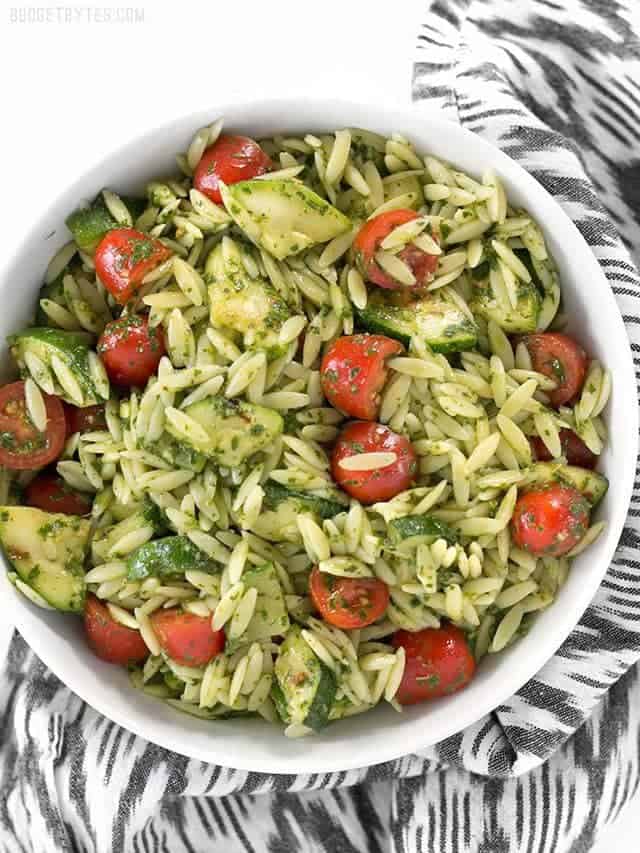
<point>591,484</point>
<point>89,224</point>
<point>397,186</point>
<point>173,682</point>
<point>355,205</point>
<point>282,506</point>
<point>270,617</point>
<point>177,453</point>
<point>105,541</point>
<point>367,145</point>
<point>47,551</point>
<point>325,507</point>
<point>524,256</point>
<point>411,530</point>
<point>71,349</point>
<point>522,318</point>
<point>308,686</point>
<point>173,555</point>
<point>235,429</point>
<point>251,307</point>
<point>280,702</point>
<point>438,323</point>
<point>283,216</point>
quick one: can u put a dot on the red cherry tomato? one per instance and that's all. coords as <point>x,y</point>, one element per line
<point>438,662</point>
<point>353,372</point>
<point>573,447</point>
<point>187,639</point>
<point>22,446</point>
<point>124,257</point>
<point>548,521</point>
<point>348,602</point>
<point>379,484</point>
<point>110,640</point>
<point>561,358</point>
<point>131,350</point>
<point>51,493</point>
<point>84,420</point>
<point>230,159</point>
<point>367,243</point>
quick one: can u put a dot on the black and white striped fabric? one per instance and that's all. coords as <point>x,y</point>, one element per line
<point>555,84</point>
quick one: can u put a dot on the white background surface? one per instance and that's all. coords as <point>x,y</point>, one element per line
<point>76,85</point>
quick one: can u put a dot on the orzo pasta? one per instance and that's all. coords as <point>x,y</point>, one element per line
<point>313,439</point>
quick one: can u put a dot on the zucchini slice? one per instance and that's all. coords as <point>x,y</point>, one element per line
<point>589,483</point>
<point>270,617</point>
<point>234,429</point>
<point>367,145</point>
<point>282,506</point>
<point>412,530</point>
<point>177,453</point>
<point>71,349</point>
<point>306,685</point>
<point>403,185</point>
<point>172,555</point>
<point>440,325</point>
<point>105,542</point>
<point>89,224</point>
<point>251,307</point>
<point>325,507</point>
<point>47,551</point>
<point>522,318</point>
<point>282,216</point>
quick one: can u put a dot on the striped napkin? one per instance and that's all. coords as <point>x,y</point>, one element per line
<point>555,84</point>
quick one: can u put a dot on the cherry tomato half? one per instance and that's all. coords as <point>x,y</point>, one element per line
<point>49,492</point>
<point>87,419</point>
<point>550,520</point>
<point>22,446</point>
<point>438,662</point>
<point>230,159</point>
<point>124,257</point>
<point>348,602</point>
<point>378,484</point>
<point>131,350</point>
<point>561,358</point>
<point>188,639</point>
<point>367,243</point>
<point>110,640</point>
<point>573,447</point>
<point>353,372</point>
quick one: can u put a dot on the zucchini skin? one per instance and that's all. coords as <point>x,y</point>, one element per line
<point>280,702</point>
<point>275,493</point>
<point>409,526</point>
<point>589,483</point>
<point>47,551</point>
<point>318,715</point>
<point>172,555</point>
<point>401,324</point>
<point>89,224</point>
<point>306,688</point>
<point>522,318</point>
<point>71,347</point>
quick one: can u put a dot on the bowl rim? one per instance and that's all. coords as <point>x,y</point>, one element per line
<point>25,616</point>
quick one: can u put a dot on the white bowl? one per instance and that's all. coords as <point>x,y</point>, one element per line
<point>381,734</point>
